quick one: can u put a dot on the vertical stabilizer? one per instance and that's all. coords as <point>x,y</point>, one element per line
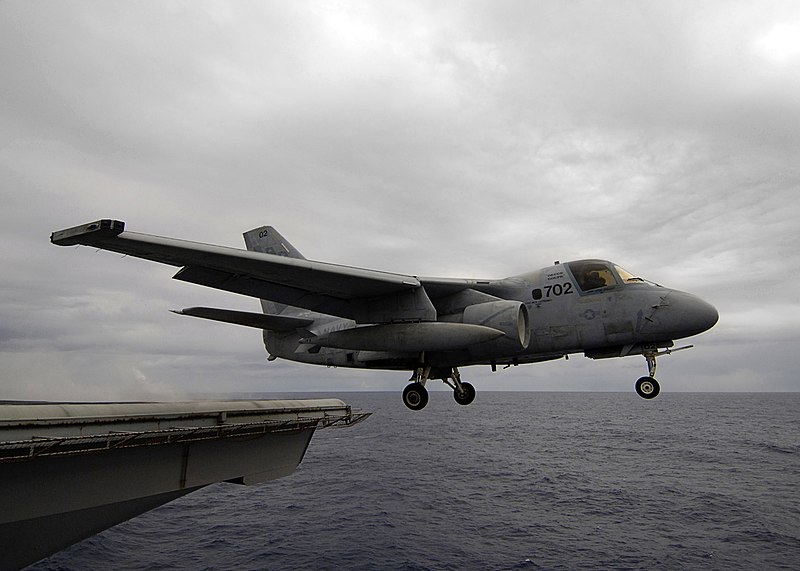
<point>267,240</point>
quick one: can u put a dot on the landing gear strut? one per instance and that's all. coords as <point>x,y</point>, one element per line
<point>463,392</point>
<point>415,395</point>
<point>648,387</point>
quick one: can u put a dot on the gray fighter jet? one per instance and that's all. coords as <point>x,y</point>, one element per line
<point>341,316</point>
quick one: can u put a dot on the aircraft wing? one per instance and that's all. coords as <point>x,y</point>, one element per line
<point>367,296</point>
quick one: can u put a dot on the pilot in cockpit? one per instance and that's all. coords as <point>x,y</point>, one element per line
<point>593,280</point>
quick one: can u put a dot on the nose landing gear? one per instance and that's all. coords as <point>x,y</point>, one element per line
<point>648,387</point>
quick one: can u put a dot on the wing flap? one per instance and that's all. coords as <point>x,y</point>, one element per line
<point>248,319</point>
<point>246,284</point>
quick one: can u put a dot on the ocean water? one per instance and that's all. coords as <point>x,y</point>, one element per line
<point>514,481</point>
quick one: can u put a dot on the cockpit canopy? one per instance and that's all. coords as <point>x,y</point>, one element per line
<point>597,274</point>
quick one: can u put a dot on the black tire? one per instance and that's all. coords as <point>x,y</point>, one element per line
<point>415,396</point>
<point>466,396</point>
<point>647,388</point>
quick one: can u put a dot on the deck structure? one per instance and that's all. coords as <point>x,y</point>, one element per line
<point>70,470</point>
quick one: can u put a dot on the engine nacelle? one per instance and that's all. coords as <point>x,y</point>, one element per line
<point>408,337</point>
<point>510,317</point>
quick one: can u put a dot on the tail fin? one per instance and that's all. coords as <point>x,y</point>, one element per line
<point>267,240</point>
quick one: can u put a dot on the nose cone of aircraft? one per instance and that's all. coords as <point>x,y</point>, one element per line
<point>688,314</point>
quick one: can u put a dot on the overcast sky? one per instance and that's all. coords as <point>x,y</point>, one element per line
<point>451,139</point>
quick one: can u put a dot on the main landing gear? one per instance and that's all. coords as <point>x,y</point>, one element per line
<point>415,395</point>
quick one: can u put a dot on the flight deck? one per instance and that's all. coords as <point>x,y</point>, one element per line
<point>70,470</point>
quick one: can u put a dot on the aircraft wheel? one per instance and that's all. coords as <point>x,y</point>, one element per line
<point>415,396</point>
<point>466,396</point>
<point>647,388</point>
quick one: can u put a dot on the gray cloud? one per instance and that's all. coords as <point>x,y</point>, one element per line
<point>477,139</point>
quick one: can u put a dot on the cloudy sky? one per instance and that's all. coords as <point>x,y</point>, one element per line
<point>454,139</point>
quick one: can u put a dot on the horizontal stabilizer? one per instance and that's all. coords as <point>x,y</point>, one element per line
<point>246,318</point>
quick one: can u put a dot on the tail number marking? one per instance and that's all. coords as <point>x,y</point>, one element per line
<point>557,289</point>
<point>553,290</point>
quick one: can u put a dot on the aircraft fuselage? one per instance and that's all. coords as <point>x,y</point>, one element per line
<point>565,314</point>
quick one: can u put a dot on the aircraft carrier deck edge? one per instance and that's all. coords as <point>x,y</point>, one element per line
<point>70,470</point>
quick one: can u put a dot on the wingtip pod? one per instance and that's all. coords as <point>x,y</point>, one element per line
<point>88,233</point>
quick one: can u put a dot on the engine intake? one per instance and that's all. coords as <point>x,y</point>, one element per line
<point>510,317</point>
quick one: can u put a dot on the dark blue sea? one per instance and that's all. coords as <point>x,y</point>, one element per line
<point>514,481</point>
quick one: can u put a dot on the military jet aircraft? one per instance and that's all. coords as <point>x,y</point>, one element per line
<point>341,316</point>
